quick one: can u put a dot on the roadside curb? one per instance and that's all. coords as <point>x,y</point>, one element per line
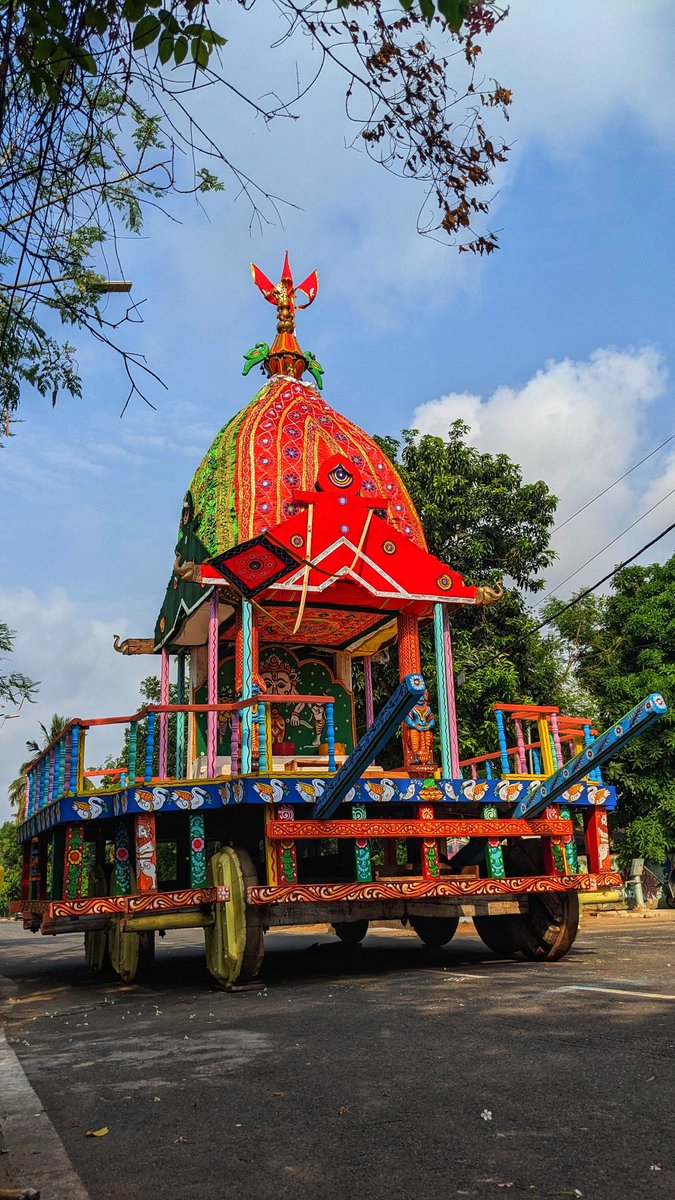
<point>34,1153</point>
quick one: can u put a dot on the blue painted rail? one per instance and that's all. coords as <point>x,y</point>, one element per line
<point>600,751</point>
<point>408,693</point>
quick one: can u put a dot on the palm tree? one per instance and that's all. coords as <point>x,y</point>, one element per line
<point>56,726</point>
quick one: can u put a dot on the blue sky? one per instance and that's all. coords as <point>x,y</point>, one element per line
<point>559,349</point>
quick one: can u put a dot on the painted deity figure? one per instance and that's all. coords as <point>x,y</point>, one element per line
<point>418,731</point>
<point>282,679</point>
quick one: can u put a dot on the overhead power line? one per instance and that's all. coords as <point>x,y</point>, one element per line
<point>587,591</point>
<point>611,485</point>
<point>606,547</point>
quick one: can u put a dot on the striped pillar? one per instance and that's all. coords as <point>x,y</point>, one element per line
<point>164,717</point>
<point>246,734</point>
<point>409,660</point>
<point>212,687</point>
<point>180,718</point>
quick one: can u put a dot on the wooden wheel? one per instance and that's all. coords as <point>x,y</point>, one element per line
<point>351,932</point>
<point>124,947</point>
<point>96,940</point>
<point>234,943</point>
<point>546,932</point>
<point>124,951</point>
<point>435,931</point>
<point>496,934</point>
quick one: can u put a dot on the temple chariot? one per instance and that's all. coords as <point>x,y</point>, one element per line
<point>300,554</point>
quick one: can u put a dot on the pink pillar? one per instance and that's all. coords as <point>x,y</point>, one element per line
<point>164,717</point>
<point>522,757</point>
<point>212,687</point>
<point>452,700</point>
<point>556,739</point>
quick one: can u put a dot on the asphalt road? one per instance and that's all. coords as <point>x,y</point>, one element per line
<point>389,1071</point>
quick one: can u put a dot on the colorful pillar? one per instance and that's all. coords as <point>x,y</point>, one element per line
<point>245,643</point>
<point>75,758</point>
<point>73,861</point>
<point>180,718</point>
<point>164,717</point>
<point>570,845</point>
<point>362,857</point>
<point>522,756</point>
<point>133,753</point>
<point>430,866</point>
<point>150,745</point>
<point>409,659</point>
<point>557,746</point>
<point>447,703</point>
<point>146,852</point>
<point>494,855</point>
<point>122,871</point>
<point>197,850</point>
<point>58,855</point>
<point>212,687</point>
<point>38,869</point>
<point>503,744</point>
<point>597,840</point>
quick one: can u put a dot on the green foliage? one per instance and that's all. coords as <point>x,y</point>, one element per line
<point>478,515</point>
<point>52,39</point>
<point>11,859</point>
<point>483,521</point>
<point>14,686</point>
<point>623,648</point>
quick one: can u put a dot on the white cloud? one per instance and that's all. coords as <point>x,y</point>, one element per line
<point>579,426</point>
<point>69,650</point>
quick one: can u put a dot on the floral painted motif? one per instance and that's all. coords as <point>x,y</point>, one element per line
<point>197,851</point>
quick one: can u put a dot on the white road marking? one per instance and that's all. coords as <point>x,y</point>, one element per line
<point>609,991</point>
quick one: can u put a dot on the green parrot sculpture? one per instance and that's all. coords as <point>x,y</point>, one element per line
<point>314,368</point>
<point>255,357</point>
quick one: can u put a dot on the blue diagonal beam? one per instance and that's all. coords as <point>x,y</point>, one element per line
<point>408,693</point>
<point>607,746</point>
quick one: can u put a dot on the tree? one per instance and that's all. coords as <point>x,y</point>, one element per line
<point>15,687</point>
<point>150,693</point>
<point>95,123</point>
<point>622,649</point>
<point>482,520</point>
<point>11,857</point>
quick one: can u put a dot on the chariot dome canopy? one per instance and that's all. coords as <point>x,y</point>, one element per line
<point>298,508</point>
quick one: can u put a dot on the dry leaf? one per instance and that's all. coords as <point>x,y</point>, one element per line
<point>97,1132</point>
<point>344,1108</point>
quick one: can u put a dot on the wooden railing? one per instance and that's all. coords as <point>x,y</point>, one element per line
<point>59,769</point>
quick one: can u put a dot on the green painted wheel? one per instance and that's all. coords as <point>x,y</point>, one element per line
<point>234,943</point>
